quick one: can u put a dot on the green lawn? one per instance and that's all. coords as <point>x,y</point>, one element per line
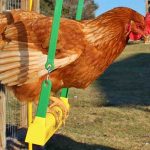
<point>114,112</point>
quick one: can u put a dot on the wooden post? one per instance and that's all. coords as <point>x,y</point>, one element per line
<point>146,5</point>
<point>2,5</point>
<point>36,6</point>
<point>24,5</point>
<point>2,118</point>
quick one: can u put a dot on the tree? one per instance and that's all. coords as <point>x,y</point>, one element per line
<point>69,8</point>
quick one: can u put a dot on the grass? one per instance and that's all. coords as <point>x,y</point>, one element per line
<point>114,112</point>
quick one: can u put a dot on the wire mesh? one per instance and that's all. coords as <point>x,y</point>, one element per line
<point>16,112</point>
<point>14,120</point>
<point>13,4</point>
<point>16,4</point>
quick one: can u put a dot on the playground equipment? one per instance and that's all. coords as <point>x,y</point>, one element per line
<point>44,124</point>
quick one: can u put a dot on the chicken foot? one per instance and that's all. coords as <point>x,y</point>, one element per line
<point>58,102</point>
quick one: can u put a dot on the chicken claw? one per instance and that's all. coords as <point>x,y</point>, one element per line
<point>59,103</point>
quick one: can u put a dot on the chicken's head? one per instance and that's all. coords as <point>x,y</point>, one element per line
<point>137,25</point>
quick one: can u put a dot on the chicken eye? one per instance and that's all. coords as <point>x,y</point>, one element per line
<point>139,26</point>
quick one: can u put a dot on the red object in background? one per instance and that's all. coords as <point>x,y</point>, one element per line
<point>147,20</point>
<point>134,36</point>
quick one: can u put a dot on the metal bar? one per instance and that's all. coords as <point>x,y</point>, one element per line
<point>15,4</point>
<point>30,4</point>
<point>30,105</point>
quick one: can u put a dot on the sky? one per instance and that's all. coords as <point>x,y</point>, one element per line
<point>104,5</point>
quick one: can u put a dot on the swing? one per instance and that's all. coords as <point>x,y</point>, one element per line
<point>44,124</point>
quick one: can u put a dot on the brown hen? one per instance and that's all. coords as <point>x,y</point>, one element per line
<point>84,49</point>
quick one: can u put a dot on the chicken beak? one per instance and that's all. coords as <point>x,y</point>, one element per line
<point>132,22</point>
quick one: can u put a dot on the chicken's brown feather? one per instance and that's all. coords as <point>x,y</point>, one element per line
<point>96,43</point>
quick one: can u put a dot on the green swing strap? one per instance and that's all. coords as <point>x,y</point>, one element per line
<point>79,9</point>
<point>47,84</point>
<point>54,36</point>
<point>39,131</point>
<point>80,6</point>
<point>64,92</point>
<point>44,95</point>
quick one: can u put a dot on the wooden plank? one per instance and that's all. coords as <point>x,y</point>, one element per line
<point>24,4</point>
<point>2,118</point>
<point>36,6</point>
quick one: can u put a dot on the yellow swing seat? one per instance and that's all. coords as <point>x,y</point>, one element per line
<point>42,129</point>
